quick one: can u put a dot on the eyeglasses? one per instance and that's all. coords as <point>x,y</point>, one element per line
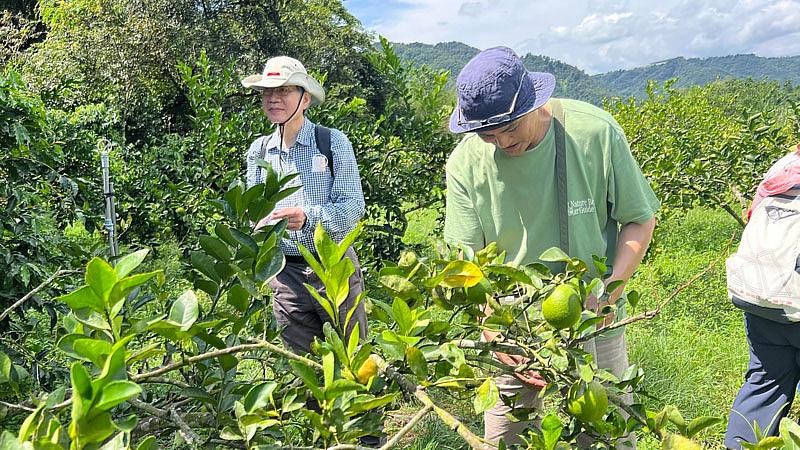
<point>496,119</point>
<point>280,91</point>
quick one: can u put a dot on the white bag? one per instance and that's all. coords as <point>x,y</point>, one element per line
<point>765,271</point>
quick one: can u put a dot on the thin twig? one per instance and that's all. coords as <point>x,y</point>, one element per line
<point>19,407</point>
<point>225,351</point>
<point>165,380</point>
<point>38,288</point>
<point>650,314</point>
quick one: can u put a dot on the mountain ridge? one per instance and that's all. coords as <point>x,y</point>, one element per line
<point>573,82</point>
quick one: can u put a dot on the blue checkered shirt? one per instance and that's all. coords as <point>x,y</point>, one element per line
<point>337,202</point>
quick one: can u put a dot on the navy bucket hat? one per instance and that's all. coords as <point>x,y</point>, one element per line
<point>494,88</point>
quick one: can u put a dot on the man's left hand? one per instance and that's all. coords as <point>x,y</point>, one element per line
<point>296,217</point>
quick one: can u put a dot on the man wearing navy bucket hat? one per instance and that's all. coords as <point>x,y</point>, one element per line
<point>535,172</point>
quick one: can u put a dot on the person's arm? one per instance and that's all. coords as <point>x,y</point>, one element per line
<point>634,238</point>
<point>346,202</point>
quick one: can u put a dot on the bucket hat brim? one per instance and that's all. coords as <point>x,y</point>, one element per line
<point>543,84</point>
<point>307,82</point>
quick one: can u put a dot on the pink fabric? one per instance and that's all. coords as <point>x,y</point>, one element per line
<point>781,177</point>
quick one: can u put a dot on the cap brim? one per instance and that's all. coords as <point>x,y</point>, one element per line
<point>543,86</point>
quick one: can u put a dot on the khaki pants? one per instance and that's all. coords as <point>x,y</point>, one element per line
<point>610,353</point>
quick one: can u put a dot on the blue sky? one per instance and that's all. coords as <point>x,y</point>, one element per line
<point>594,35</point>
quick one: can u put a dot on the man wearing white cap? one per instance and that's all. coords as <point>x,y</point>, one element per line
<point>330,194</point>
<point>533,173</point>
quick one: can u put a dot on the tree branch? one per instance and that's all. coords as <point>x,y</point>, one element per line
<point>454,424</point>
<point>650,314</point>
<point>30,294</point>
<point>222,352</point>
<point>407,427</point>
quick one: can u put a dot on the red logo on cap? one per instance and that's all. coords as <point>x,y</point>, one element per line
<point>273,74</point>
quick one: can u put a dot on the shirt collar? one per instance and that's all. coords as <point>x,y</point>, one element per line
<point>304,137</point>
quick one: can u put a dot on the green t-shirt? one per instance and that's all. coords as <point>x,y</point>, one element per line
<point>493,197</point>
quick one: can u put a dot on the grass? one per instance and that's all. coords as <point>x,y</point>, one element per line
<point>693,354</point>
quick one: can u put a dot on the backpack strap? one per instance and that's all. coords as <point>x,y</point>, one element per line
<point>561,175</point>
<point>322,137</point>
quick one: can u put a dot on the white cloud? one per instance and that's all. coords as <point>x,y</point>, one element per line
<point>602,35</point>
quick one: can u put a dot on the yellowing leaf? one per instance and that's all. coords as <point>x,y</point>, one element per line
<point>460,274</point>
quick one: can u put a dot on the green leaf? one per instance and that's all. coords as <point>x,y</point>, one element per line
<point>309,378</point>
<point>417,363</point>
<point>328,367</point>
<point>5,368</point>
<point>29,425</point>
<point>149,443</point>
<point>402,315</point>
<point>486,396</point>
<point>224,232</point>
<point>700,423</point>
<point>118,442</point>
<point>93,350</point>
<point>554,254</point>
<point>369,404</point>
<point>459,274</point>
<point>326,305</point>
<point>205,265</point>
<point>337,286</point>
<point>770,443</point>
<point>215,248</point>
<point>392,346</point>
<point>100,276</point>
<point>128,263</point>
<point>340,386</point>
<point>332,338</point>
<point>259,396</point>
<point>85,297</point>
<point>551,430</point>
<point>94,430</point>
<point>249,246</point>
<point>348,241</point>
<point>399,286</point>
<point>270,264</point>
<point>185,310</point>
<point>117,392</point>
<point>81,382</point>
<point>239,298</point>
<point>790,432</point>
<point>312,262</point>
<point>209,287</point>
<point>326,248</point>
<point>125,285</point>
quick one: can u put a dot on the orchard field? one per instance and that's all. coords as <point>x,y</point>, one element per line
<point>172,344</point>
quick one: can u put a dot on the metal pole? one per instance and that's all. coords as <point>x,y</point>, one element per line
<point>108,194</point>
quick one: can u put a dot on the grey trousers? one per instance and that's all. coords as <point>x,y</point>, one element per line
<point>298,313</point>
<point>610,353</point>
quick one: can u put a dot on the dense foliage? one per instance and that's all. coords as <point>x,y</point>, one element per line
<point>157,83</point>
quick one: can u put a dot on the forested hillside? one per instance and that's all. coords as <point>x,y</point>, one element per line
<point>452,56</point>
<point>575,83</point>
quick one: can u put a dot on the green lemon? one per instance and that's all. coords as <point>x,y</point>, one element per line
<point>562,308</point>
<point>678,442</point>
<point>591,405</point>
